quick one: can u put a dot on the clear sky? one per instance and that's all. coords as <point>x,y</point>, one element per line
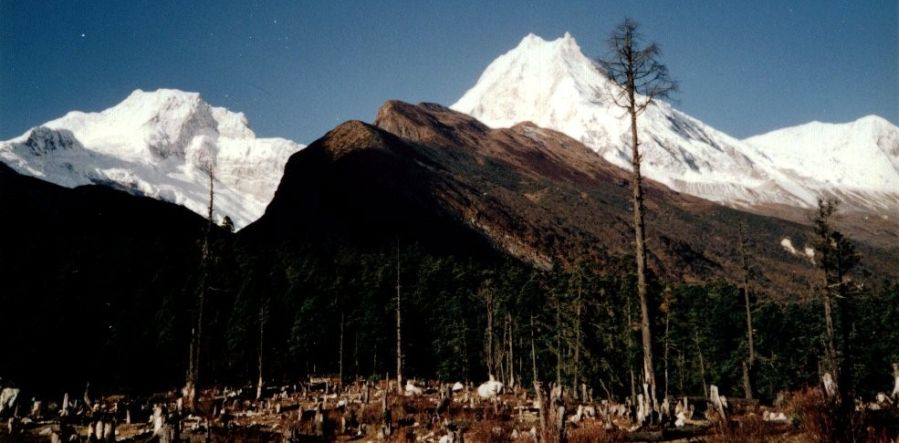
<point>298,68</point>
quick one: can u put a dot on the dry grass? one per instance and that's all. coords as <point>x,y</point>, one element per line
<point>809,408</point>
<point>592,432</point>
<point>816,419</point>
<point>490,431</point>
<point>750,429</point>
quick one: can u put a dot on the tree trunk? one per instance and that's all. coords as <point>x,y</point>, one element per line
<point>489,334</point>
<point>705,389</point>
<point>533,353</point>
<point>895,393</point>
<point>511,356</point>
<point>340,351</point>
<point>541,412</point>
<point>193,376</point>
<point>630,346</point>
<point>558,342</point>
<point>261,348</point>
<point>750,360</point>
<point>666,349</point>
<point>640,247</point>
<point>577,341</point>
<point>399,334</point>
<point>829,341</point>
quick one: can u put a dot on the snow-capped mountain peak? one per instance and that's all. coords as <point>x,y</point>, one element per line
<point>161,144</point>
<point>552,84</point>
<point>537,73</point>
<point>862,155</point>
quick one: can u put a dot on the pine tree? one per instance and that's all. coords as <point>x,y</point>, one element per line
<point>836,257</point>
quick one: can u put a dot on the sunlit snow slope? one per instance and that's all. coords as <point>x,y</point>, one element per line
<point>856,161</point>
<point>554,85</point>
<point>159,144</point>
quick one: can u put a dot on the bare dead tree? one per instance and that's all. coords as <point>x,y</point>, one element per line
<point>399,325</point>
<point>750,343</point>
<point>665,308</point>
<point>263,319</point>
<point>533,353</point>
<point>705,388</point>
<point>341,339</point>
<point>511,356</point>
<point>642,79</point>
<point>340,349</point>
<point>193,370</point>
<point>578,307</point>
<point>629,345</point>
<point>578,312</point>
<point>558,349</point>
<point>486,294</point>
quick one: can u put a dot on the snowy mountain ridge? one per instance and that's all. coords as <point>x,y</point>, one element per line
<point>862,155</point>
<point>554,85</point>
<point>159,144</point>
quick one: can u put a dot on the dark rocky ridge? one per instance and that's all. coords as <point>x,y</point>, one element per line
<point>436,176</point>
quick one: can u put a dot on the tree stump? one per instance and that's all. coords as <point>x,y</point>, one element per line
<point>559,424</point>
<point>717,403</point>
<point>895,393</point>
<point>541,406</point>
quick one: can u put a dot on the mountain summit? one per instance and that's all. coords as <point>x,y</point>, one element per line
<point>554,85</point>
<point>158,144</point>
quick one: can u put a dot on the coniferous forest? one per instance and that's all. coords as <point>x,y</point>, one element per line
<point>137,340</point>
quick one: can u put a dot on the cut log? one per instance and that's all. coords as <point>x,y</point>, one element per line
<point>686,433</point>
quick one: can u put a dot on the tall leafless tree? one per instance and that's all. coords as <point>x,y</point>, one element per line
<point>263,319</point>
<point>193,368</point>
<point>750,341</point>
<point>399,325</point>
<point>487,294</point>
<point>641,78</point>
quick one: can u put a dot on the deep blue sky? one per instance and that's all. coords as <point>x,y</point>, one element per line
<point>299,68</point>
